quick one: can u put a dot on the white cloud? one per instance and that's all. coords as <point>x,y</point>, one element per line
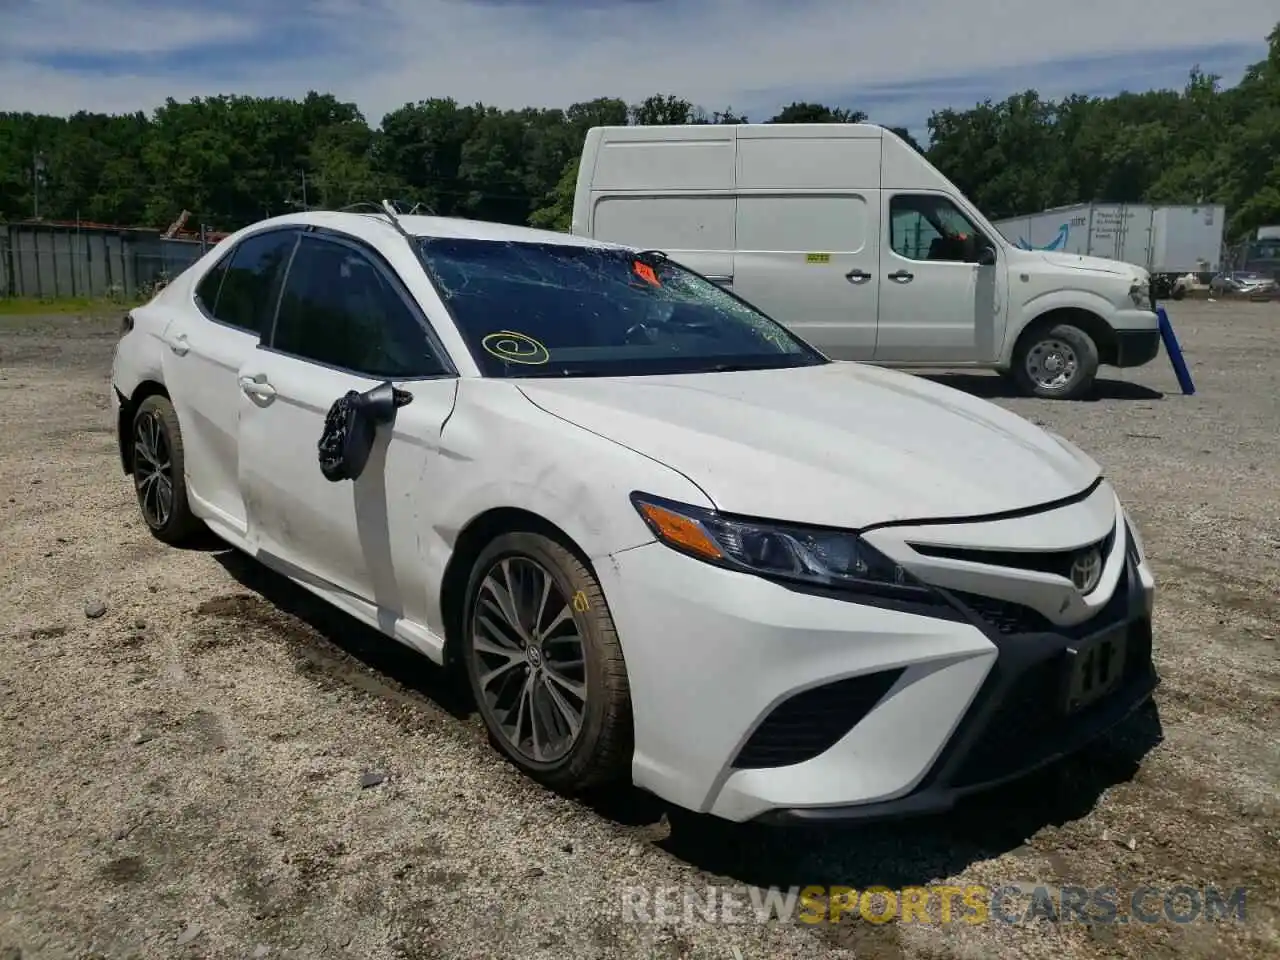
<point>382,53</point>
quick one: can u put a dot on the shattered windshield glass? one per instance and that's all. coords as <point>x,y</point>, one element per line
<point>549,309</point>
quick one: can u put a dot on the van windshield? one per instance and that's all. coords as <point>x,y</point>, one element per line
<point>560,310</point>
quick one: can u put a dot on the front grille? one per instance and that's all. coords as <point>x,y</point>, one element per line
<point>1056,562</point>
<point>810,723</point>
<point>1029,721</point>
<point>1008,618</point>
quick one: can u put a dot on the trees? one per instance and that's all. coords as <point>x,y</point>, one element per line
<point>231,160</point>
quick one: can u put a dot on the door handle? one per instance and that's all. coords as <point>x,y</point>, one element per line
<point>717,278</point>
<point>902,276</point>
<point>254,387</point>
<point>179,344</point>
<point>857,276</point>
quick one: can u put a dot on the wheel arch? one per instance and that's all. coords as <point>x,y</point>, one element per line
<point>124,419</point>
<point>475,535</point>
<point>1099,330</point>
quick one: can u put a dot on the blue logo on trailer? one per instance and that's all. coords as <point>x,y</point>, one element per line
<point>1057,243</point>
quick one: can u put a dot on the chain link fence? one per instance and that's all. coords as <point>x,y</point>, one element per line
<point>54,261</point>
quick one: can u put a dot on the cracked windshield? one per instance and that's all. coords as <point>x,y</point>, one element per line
<point>539,310</point>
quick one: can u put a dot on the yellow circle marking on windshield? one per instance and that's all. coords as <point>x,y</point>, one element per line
<point>515,347</point>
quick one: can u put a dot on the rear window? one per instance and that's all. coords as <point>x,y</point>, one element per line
<point>548,309</point>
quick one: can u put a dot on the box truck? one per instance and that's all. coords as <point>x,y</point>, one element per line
<point>1168,241</point>
<point>851,238</point>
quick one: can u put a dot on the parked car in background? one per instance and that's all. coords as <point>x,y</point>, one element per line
<point>851,238</point>
<point>666,540</point>
<point>1250,283</point>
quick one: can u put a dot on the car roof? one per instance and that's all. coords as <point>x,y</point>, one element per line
<point>376,226</point>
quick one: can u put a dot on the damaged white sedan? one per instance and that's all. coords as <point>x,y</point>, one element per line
<point>670,543</point>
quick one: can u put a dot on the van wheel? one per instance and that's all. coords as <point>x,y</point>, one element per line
<point>1056,363</point>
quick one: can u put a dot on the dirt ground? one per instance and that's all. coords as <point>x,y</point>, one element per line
<point>181,776</point>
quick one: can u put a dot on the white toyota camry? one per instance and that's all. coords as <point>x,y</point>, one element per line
<point>669,542</point>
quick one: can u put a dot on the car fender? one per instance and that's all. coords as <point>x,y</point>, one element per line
<point>499,451</point>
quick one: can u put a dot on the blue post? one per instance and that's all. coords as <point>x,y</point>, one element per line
<point>1175,353</point>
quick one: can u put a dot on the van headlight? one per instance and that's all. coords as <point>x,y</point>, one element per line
<point>1140,293</point>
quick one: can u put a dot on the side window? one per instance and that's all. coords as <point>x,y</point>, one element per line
<point>252,283</point>
<point>339,309</point>
<point>929,227</point>
<point>209,285</point>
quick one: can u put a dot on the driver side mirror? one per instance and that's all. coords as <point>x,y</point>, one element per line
<point>351,427</point>
<point>986,255</point>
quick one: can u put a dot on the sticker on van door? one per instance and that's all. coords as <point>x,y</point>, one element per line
<point>817,258</point>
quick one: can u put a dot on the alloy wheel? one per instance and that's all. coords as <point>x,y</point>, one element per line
<point>153,470</point>
<point>530,660</point>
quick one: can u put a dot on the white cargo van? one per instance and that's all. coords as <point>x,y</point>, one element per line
<point>851,238</point>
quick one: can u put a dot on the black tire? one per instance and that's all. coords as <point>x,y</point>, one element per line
<point>601,753</point>
<point>1179,292</point>
<point>156,419</point>
<point>1054,338</point>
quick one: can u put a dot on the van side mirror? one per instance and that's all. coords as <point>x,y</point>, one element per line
<point>986,255</point>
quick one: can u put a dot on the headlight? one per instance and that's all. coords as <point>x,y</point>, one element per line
<point>1140,293</point>
<point>828,558</point>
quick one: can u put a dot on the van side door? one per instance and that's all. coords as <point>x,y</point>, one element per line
<point>810,260</point>
<point>938,303</point>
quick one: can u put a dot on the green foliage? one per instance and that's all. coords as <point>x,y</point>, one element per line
<point>231,160</point>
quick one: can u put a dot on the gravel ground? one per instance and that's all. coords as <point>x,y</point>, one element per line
<point>181,774</point>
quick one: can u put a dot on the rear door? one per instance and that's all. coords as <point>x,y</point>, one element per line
<point>206,347</point>
<point>345,323</point>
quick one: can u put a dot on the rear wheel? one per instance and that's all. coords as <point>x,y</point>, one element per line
<point>545,665</point>
<point>1058,362</point>
<point>159,472</point>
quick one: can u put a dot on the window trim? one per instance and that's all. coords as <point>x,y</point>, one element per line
<point>476,352</point>
<point>392,278</point>
<point>226,259</point>
<point>978,231</point>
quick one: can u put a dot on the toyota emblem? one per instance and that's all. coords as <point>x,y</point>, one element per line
<point>1086,570</point>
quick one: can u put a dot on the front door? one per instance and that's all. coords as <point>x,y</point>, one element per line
<point>810,261</point>
<point>345,323</point>
<point>936,304</point>
<point>204,352</point>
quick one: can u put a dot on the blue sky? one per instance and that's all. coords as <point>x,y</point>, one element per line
<point>895,60</point>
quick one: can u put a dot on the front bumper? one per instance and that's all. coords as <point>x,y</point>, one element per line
<point>753,701</point>
<point>1136,347</point>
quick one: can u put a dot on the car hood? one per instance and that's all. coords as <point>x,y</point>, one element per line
<point>840,444</point>
<point>1076,261</point>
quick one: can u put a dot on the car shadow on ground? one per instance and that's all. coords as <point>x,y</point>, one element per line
<point>991,386</point>
<point>895,854</point>
<point>919,850</point>
<point>365,646</point>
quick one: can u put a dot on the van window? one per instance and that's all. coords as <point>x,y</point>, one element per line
<point>925,226</point>
<point>802,224</point>
<point>666,223</point>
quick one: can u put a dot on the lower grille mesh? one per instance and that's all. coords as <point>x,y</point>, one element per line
<point>811,722</point>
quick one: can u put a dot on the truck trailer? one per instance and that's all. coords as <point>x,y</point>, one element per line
<point>1169,241</point>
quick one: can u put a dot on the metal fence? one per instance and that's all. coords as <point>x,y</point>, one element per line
<point>55,261</point>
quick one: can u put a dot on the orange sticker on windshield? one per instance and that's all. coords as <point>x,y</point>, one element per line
<point>646,273</point>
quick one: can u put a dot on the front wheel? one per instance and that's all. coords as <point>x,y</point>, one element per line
<point>545,665</point>
<point>1056,363</point>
